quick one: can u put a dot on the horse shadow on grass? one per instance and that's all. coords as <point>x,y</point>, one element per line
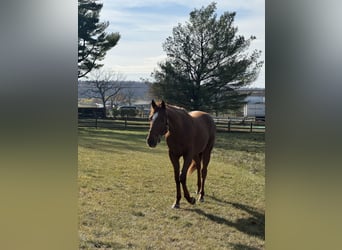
<point>243,247</point>
<point>253,225</point>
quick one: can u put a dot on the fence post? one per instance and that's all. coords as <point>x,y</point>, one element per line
<point>228,125</point>
<point>126,117</point>
<point>96,122</point>
<point>251,128</point>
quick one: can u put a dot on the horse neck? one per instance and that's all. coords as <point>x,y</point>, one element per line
<point>176,119</point>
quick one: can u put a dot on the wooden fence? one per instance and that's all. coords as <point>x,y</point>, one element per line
<point>239,125</point>
<point>222,124</point>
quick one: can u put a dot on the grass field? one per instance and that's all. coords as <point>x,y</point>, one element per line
<point>126,191</point>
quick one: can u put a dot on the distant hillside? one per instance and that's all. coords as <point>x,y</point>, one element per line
<point>138,90</point>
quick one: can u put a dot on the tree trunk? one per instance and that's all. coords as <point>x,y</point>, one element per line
<point>104,111</point>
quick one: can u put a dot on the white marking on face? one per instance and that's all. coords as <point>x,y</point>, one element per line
<point>154,117</point>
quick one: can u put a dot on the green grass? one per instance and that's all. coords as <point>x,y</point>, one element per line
<point>126,191</point>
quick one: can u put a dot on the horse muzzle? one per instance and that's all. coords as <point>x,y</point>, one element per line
<point>153,141</point>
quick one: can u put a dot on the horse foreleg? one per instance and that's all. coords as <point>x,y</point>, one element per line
<point>187,162</point>
<point>175,163</point>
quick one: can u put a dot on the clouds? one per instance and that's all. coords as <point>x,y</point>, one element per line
<point>144,26</point>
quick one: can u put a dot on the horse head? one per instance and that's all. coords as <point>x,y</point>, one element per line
<point>158,123</point>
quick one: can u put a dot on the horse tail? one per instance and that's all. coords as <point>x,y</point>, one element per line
<point>192,168</point>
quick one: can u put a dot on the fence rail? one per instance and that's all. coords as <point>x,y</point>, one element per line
<point>222,124</point>
<point>129,123</point>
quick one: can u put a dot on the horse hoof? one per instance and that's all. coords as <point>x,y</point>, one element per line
<point>201,199</point>
<point>192,200</point>
<point>175,206</point>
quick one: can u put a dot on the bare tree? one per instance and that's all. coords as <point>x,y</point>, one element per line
<point>105,85</point>
<point>130,93</point>
<point>117,99</point>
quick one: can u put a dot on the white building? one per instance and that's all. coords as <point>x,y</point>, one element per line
<point>255,106</point>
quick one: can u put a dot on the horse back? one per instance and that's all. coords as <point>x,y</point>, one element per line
<point>205,130</point>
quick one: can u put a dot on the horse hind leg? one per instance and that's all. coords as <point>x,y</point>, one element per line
<point>197,161</point>
<point>204,170</point>
<point>196,165</point>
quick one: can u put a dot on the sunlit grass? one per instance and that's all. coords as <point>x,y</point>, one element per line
<point>126,191</point>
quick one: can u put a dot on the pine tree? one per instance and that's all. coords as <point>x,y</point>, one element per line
<point>93,41</point>
<point>206,63</point>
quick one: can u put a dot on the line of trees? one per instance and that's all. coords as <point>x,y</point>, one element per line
<point>207,61</point>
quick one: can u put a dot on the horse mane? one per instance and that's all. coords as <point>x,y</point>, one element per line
<point>177,109</point>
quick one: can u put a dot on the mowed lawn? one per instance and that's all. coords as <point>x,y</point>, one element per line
<point>126,191</point>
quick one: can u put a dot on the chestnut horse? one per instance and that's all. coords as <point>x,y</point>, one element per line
<point>188,135</point>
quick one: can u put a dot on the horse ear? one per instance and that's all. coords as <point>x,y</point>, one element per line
<point>154,105</point>
<point>163,104</point>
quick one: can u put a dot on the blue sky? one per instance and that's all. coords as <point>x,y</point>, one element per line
<point>145,24</point>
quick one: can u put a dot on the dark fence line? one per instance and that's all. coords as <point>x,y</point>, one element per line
<point>239,125</point>
<point>132,124</point>
<point>222,124</point>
